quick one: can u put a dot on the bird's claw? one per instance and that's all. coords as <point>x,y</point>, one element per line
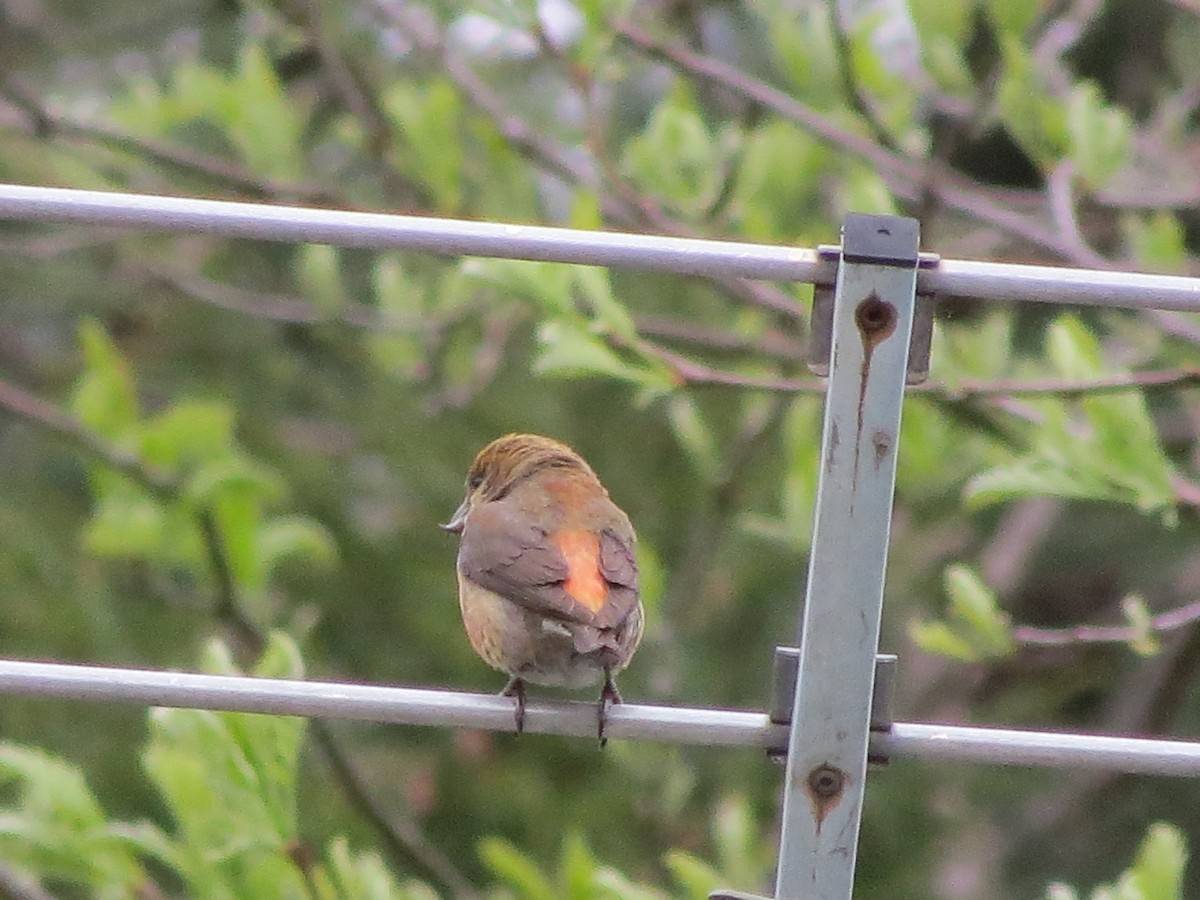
<point>609,695</point>
<point>516,689</point>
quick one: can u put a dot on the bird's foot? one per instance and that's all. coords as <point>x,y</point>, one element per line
<point>609,695</point>
<point>516,689</point>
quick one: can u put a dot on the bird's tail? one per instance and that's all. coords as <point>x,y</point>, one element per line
<point>598,642</point>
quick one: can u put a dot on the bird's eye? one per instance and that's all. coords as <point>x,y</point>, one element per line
<point>474,481</point>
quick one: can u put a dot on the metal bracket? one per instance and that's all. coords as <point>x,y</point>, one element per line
<point>868,363</point>
<point>784,669</point>
<point>820,341</point>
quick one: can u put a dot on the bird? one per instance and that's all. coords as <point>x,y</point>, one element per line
<point>547,571</point>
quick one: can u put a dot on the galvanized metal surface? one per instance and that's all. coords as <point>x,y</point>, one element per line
<point>453,237</point>
<point>827,758</point>
<point>630,721</point>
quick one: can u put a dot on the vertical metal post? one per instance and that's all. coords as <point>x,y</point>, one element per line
<point>827,751</point>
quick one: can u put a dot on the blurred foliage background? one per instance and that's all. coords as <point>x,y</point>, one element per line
<point>235,453</point>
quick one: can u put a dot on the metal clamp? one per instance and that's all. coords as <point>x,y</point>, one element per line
<point>784,669</point>
<point>820,326</point>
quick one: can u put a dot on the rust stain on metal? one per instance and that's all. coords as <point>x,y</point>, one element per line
<point>882,442</point>
<point>825,786</point>
<point>876,320</point>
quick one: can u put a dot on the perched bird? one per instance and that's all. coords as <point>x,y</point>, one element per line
<point>547,579</point>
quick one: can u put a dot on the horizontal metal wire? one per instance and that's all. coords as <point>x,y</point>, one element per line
<point>687,256</point>
<point>633,721</point>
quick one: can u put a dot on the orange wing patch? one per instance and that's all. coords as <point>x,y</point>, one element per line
<point>581,549</point>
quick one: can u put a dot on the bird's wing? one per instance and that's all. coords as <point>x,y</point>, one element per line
<point>618,567</point>
<point>575,576</point>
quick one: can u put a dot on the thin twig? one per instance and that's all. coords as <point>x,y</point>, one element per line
<point>859,102</point>
<point>1060,195</point>
<point>41,122</point>
<point>1106,634</point>
<point>689,371</point>
<point>280,307</point>
<point>771,344</point>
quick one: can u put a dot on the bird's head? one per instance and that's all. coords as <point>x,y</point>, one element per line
<point>507,461</point>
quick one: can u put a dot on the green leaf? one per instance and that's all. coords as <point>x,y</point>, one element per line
<point>1100,135</point>
<point>104,398</point>
<point>57,827</point>
<point>126,523</point>
<point>571,353</point>
<point>611,316</point>
<point>261,120</point>
<point>228,476</point>
<point>187,430</point>
<point>426,120</point>
<point>886,64</point>
<point>585,210</point>
<point>297,536</point>
<point>804,46</point>
<point>943,30</point>
<point>229,779</point>
<point>975,627</point>
<point>863,190</point>
<point>401,302</point>
<point>652,580</point>
<point>940,639</point>
<point>1013,18</point>
<point>1033,478</point>
<point>548,284</point>
<point>676,157</point>
<point>1036,120</point>
<point>1157,240</point>
<point>976,607</point>
<point>1137,614</point>
<point>740,851</point>
<point>516,870</point>
<point>363,876</point>
<point>697,878</point>
<point>1158,870</point>
<point>694,436</point>
<point>1114,455</point>
<point>578,869</point>
<point>801,444</point>
<point>778,190</point>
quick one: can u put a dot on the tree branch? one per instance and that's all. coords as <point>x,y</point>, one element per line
<point>41,122</point>
<point>907,179</point>
<point>1105,634</point>
<point>691,372</point>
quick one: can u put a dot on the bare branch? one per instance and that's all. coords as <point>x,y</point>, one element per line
<point>693,372</point>
<point>1105,634</point>
<point>41,122</point>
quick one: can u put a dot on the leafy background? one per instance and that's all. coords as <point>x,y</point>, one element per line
<point>234,454</point>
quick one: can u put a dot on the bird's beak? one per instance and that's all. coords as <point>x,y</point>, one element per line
<point>458,520</point>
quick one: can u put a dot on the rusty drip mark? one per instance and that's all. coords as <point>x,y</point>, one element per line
<point>882,441</point>
<point>876,320</point>
<point>825,786</point>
